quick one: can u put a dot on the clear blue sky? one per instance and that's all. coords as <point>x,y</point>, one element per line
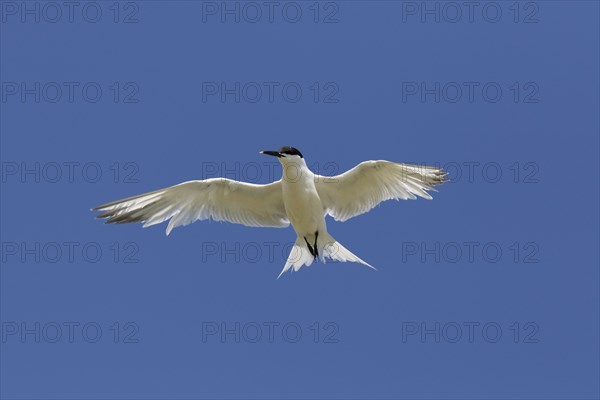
<point>491,290</point>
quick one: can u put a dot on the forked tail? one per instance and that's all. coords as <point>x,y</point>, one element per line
<point>327,247</point>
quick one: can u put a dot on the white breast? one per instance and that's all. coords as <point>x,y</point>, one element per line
<point>302,203</point>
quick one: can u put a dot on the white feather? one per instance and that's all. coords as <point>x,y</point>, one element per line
<point>369,183</point>
<point>219,199</point>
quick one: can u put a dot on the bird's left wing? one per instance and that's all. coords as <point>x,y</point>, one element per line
<point>369,183</point>
<point>219,199</point>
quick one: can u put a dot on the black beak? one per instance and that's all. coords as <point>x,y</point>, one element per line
<point>271,153</point>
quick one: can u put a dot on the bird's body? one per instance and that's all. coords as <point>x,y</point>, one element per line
<point>300,198</point>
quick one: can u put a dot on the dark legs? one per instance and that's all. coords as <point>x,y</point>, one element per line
<point>314,250</point>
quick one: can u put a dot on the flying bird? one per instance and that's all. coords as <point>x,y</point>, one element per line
<point>300,197</point>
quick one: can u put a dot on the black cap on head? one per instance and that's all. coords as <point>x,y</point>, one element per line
<point>291,151</point>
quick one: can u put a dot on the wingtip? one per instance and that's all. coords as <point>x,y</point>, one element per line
<point>370,266</point>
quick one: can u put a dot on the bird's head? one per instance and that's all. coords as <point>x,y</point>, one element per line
<point>286,155</point>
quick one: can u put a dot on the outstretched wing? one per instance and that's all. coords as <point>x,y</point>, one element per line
<point>219,199</point>
<point>369,183</point>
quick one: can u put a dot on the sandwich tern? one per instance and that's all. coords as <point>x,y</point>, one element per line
<point>300,197</point>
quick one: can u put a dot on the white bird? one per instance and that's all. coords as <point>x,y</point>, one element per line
<point>300,197</point>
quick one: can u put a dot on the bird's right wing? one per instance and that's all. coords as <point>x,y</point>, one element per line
<point>219,199</point>
<point>369,183</point>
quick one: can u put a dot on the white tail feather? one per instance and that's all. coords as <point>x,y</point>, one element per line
<point>328,248</point>
<point>299,256</point>
<point>335,251</point>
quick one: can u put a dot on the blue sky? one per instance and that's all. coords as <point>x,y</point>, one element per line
<point>488,291</point>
